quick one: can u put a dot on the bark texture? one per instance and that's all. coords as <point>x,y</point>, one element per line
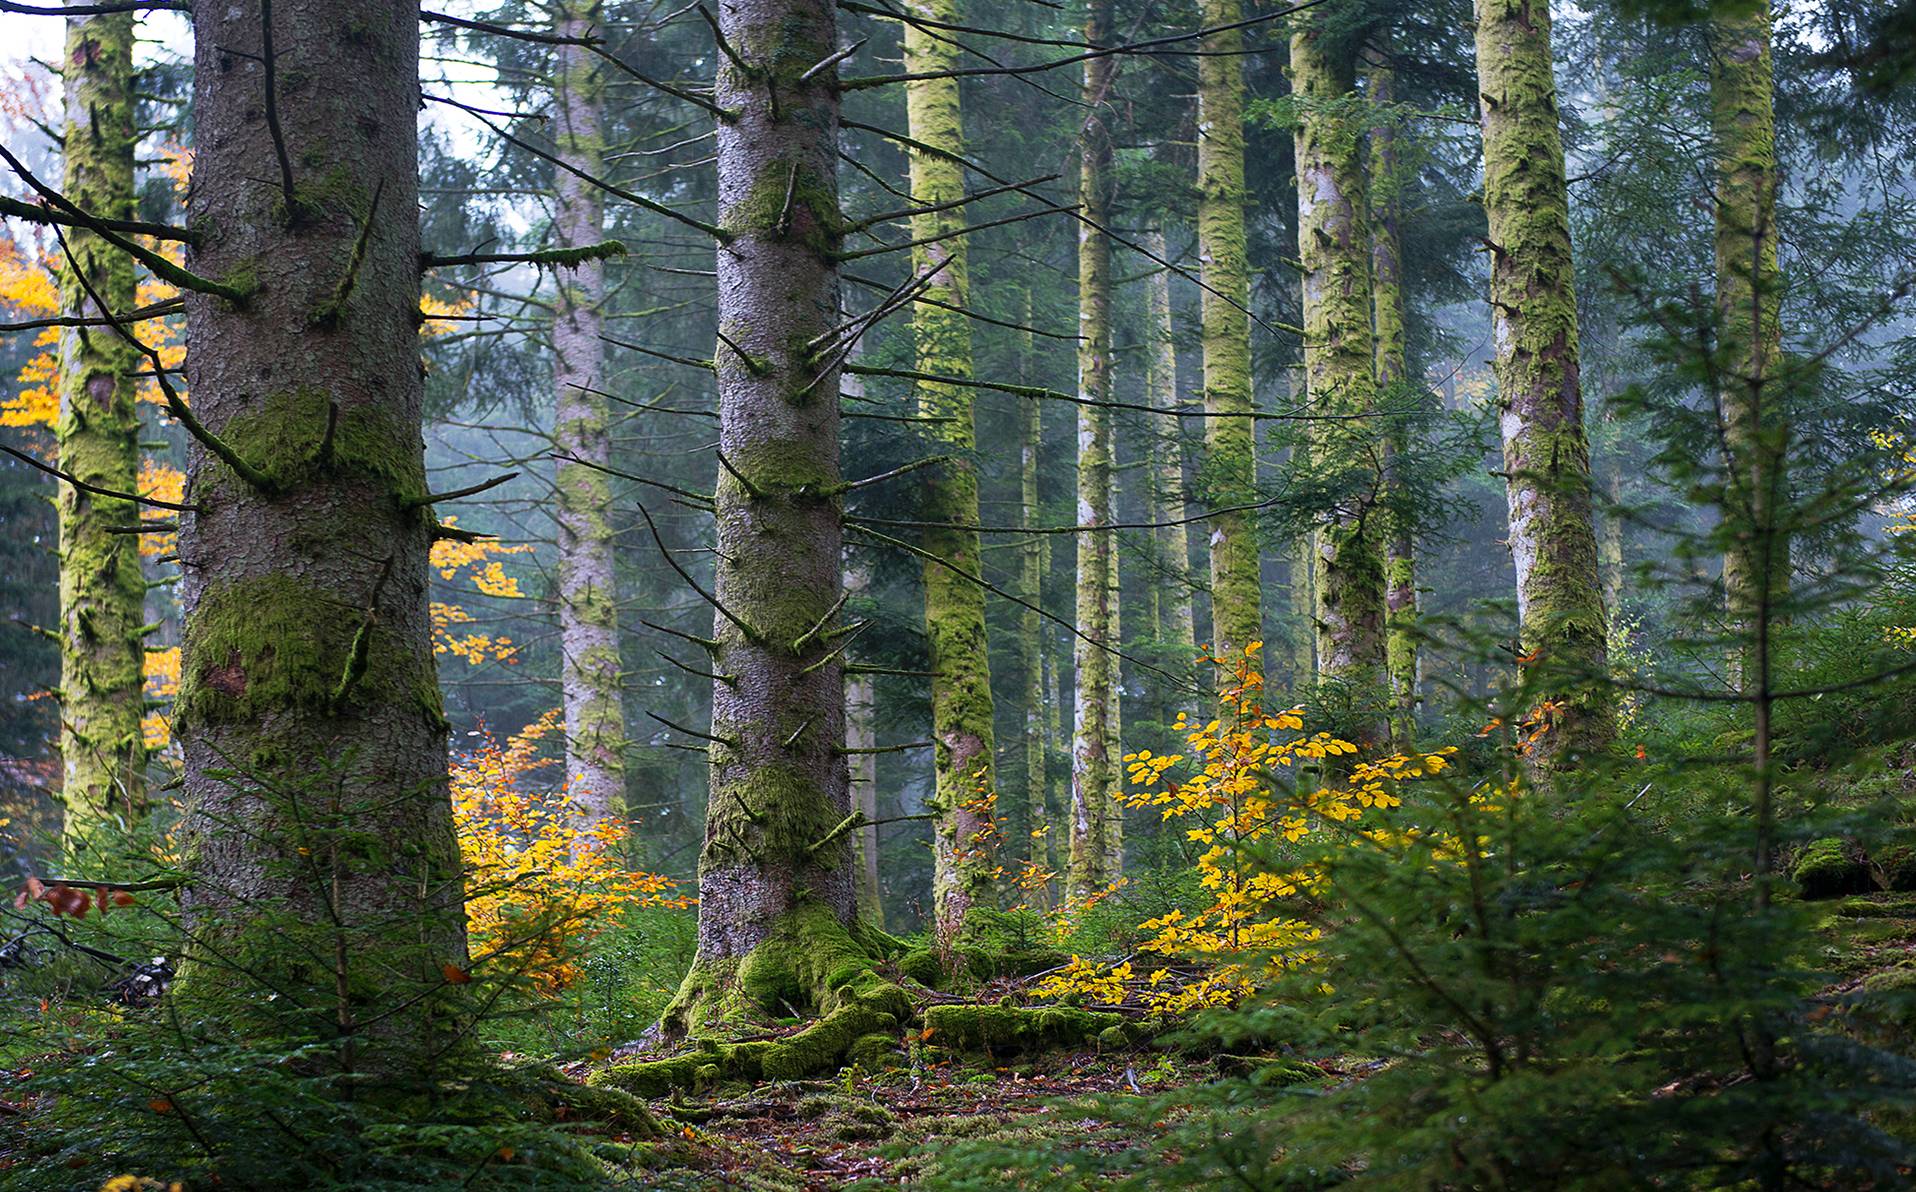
<point>102,589</point>
<point>1395,386</point>
<point>1230,439</point>
<point>1034,562</point>
<point>587,579</point>
<point>861,738</point>
<point>1534,327</point>
<point>1175,625</point>
<point>1094,771</point>
<point>1340,373</point>
<point>778,918</point>
<point>309,709</point>
<point>961,705</point>
<point>1756,567</point>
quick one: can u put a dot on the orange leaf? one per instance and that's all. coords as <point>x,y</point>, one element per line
<point>160,1105</point>
<point>454,974</point>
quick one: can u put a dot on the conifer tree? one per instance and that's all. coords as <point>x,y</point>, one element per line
<point>1172,583</point>
<point>1534,331</point>
<point>102,589</point>
<point>587,588</point>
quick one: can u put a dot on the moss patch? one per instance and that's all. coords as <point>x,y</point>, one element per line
<point>1830,868</point>
<point>1011,1029</point>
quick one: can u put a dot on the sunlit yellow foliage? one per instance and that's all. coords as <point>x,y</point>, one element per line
<point>160,482</point>
<point>538,884</point>
<point>1240,805</point>
<point>162,669</point>
<point>478,561</point>
<point>440,314</point>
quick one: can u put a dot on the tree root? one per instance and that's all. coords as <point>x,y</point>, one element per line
<point>1005,1029</point>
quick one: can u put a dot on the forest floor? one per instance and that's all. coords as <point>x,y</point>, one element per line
<point>891,1128</point>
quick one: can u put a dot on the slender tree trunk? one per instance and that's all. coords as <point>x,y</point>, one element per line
<point>309,710</point>
<point>1033,562</point>
<point>1534,326</point>
<point>1340,377</point>
<point>102,589</point>
<point>587,580</point>
<point>1610,542</point>
<point>1756,567</point>
<point>861,738</point>
<point>1093,769</point>
<point>961,708</point>
<point>778,918</point>
<point>1394,384</point>
<point>1114,694</point>
<point>1175,627</point>
<point>1230,466</point>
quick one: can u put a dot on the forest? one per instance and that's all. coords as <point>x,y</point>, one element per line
<point>957,594</point>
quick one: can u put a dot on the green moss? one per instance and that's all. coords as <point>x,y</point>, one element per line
<point>1005,1029</point>
<point>1896,868</point>
<point>1829,868</point>
<point>284,436</point>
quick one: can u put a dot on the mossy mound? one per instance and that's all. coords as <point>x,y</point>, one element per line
<point>1877,906</point>
<point>1271,1070</point>
<point>1005,944</point>
<point>1830,868</point>
<point>551,1095</point>
<point>1895,868</point>
<point>849,1119</point>
<point>1011,1029</point>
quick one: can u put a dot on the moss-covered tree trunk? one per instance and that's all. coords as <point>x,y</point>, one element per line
<point>861,740</point>
<point>1114,692</point>
<point>1394,385</point>
<point>961,711</point>
<point>1033,563</point>
<point>1340,373</point>
<point>778,919</point>
<point>102,589</point>
<point>1175,627</point>
<point>587,581</point>
<point>1756,566</point>
<point>1534,328</point>
<point>1094,770</point>
<point>320,838</point>
<point>1230,466</point>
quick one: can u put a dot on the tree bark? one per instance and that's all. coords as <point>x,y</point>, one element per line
<point>309,710</point>
<point>1340,377</point>
<point>587,579</point>
<point>102,588</point>
<point>1397,388</point>
<point>1756,566</point>
<point>1093,769</point>
<point>778,921</point>
<point>1175,626</point>
<point>961,703</point>
<point>1534,328</point>
<point>1033,563</point>
<point>1230,466</point>
<point>861,738</point>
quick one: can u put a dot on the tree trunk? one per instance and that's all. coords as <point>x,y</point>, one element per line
<point>778,920</point>
<point>1534,326</point>
<point>102,589</point>
<point>1756,567</point>
<point>861,738</point>
<point>1175,628</point>
<point>1093,769</point>
<point>1340,377</point>
<point>1033,563</point>
<point>309,710</point>
<point>1397,388</point>
<point>961,706</point>
<point>587,580</point>
<point>1230,466</point>
<point>1114,692</point>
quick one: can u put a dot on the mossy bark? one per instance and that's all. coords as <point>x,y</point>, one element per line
<point>861,739</point>
<point>1334,246</point>
<point>102,589</point>
<point>587,587</point>
<point>1034,562</point>
<point>961,702</point>
<point>1229,475</point>
<point>1534,332</point>
<point>1756,566</point>
<point>1176,629</point>
<point>778,919</point>
<point>1397,389</point>
<point>1094,770</point>
<point>319,838</point>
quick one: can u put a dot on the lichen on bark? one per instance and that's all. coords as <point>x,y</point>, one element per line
<point>1534,332</point>
<point>964,779</point>
<point>1229,475</point>
<point>102,588</point>
<point>587,588</point>
<point>1340,373</point>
